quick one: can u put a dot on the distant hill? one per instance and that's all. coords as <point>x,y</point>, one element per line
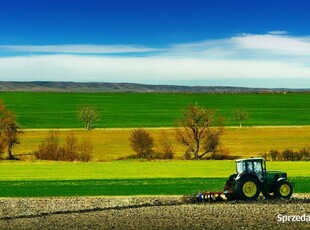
<point>49,86</point>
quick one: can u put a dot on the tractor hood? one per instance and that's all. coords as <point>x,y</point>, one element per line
<point>276,175</point>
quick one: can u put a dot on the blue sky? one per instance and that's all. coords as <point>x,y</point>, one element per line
<point>225,42</point>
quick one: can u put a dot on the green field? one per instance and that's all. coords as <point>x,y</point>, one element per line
<point>121,110</point>
<point>58,110</point>
<point>36,179</point>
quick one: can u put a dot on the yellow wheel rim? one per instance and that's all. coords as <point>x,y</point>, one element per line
<point>285,190</point>
<point>249,189</point>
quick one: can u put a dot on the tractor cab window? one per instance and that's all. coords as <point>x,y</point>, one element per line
<point>240,167</point>
<point>249,165</point>
<point>258,167</point>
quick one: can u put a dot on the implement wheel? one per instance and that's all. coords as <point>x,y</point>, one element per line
<point>248,188</point>
<point>284,189</point>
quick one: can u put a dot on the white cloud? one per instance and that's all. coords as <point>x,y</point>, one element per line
<point>274,44</point>
<point>88,49</point>
<point>275,55</point>
<point>94,68</point>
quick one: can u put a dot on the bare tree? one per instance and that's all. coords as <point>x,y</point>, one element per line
<point>142,143</point>
<point>197,132</point>
<point>240,116</point>
<point>88,115</point>
<point>9,130</point>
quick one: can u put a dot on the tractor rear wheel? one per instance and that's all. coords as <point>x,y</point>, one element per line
<point>229,187</point>
<point>248,188</point>
<point>284,189</point>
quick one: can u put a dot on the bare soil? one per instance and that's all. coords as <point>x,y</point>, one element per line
<point>149,212</point>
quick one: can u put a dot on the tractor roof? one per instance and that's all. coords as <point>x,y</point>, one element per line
<point>251,159</point>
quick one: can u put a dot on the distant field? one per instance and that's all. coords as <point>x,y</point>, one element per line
<point>58,110</point>
<point>111,144</point>
<point>24,179</point>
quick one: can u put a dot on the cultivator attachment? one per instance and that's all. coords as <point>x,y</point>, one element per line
<point>208,196</point>
<point>211,196</point>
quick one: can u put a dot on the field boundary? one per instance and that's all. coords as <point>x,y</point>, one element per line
<point>165,128</point>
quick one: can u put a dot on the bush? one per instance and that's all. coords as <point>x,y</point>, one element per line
<point>85,150</point>
<point>288,155</point>
<point>305,153</point>
<point>70,148</point>
<point>221,154</point>
<point>264,155</point>
<point>142,143</point>
<point>51,149</point>
<point>165,150</point>
<point>274,155</point>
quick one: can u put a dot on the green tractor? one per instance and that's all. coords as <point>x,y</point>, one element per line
<point>251,178</point>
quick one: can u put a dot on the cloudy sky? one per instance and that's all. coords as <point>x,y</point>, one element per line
<point>253,43</point>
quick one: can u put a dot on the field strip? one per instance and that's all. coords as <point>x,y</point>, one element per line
<point>168,128</point>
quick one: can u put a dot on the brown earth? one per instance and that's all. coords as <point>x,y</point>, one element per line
<point>149,212</point>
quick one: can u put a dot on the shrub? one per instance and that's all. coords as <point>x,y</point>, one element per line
<point>264,155</point>
<point>142,143</point>
<point>70,148</point>
<point>298,156</point>
<point>305,153</point>
<point>221,154</point>
<point>85,150</point>
<point>288,155</point>
<point>51,149</point>
<point>165,150</point>
<point>274,155</point>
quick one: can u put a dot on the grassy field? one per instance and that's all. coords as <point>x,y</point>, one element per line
<point>119,110</point>
<point>111,144</point>
<point>58,110</point>
<point>128,177</point>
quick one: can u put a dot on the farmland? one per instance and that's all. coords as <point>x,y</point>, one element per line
<point>277,121</point>
<point>112,144</point>
<point>58,110</point>
<point>128,177</point>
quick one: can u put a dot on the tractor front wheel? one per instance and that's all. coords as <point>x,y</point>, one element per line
<point>284,189</point>
<point>248,188</point>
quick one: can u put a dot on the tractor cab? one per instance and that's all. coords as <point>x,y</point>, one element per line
<point>255,166</point>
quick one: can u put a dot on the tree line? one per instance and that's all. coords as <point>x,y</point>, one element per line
<point>288,155</point>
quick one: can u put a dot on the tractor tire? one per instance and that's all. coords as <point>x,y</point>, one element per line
<point>229,186</point>
<point>248,188</point>
<point>284,189</point>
